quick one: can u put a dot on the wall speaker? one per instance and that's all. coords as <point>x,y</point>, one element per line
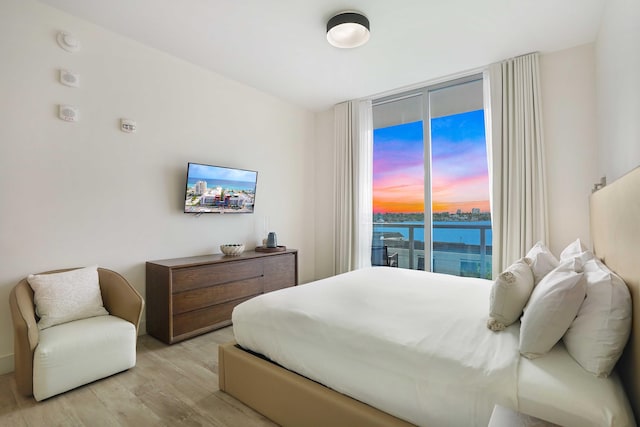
<point>69,78</point>
<point>68,113</point>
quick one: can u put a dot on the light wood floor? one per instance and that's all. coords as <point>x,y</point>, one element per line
<point>169,386</point>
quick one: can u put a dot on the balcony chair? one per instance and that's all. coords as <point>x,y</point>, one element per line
<point>67,355</point>
<point>380,257</point>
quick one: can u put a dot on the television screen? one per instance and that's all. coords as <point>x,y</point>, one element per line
<point>218,189</point>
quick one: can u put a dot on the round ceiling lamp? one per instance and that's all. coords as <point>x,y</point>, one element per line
<point>347,30</point>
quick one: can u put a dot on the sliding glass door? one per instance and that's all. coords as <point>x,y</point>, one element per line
<point>430,180</point>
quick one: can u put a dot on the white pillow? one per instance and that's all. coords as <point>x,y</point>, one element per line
<point>64,297</point>
<point>553,305</point>
<point>509,294</point>
<point>542,261</point>
<point>599,333</point>
<point>576,249</point>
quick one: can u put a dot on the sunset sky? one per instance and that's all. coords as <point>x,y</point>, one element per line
<point>459,166</point>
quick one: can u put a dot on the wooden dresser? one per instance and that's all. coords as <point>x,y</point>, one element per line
<point>186,297</point>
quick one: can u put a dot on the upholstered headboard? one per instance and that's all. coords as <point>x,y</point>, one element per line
<point>615,234</point>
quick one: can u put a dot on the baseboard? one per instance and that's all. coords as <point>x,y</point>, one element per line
<point>6,364</point>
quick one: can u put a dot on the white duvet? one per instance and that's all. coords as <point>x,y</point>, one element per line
<point>412,344</point>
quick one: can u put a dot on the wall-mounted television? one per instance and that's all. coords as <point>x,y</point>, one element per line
<point>219,189</point>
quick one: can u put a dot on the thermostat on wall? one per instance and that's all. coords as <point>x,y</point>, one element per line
<point>68,113</point>
<point>69,78</point>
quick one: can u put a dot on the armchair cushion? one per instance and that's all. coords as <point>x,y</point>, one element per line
<point>67,296</point>
<point>79,352</point>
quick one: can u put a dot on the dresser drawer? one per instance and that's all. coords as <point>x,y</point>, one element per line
<point>204,318</point>
<point>185,279</point>
<point>279,272</point>
<point>212,295</point>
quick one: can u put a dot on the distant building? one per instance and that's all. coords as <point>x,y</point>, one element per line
<point>237,200</point>
<point>200,187</point>
<point>459,211</point>
<point>475,211</point>
<point>207,200</point>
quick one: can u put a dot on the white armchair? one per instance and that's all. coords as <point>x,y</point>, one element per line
<point>68,355</point>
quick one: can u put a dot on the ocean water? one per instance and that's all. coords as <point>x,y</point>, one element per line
<point>442,233</point>
<point>224,183</point>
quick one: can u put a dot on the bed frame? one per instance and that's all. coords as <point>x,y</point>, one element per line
<point>615,235</point>
<point>290,399</point>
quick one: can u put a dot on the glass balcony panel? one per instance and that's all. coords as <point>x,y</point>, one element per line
<point>461,249</point>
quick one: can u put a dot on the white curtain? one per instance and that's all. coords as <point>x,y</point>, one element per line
<point>353,185</point>
<point>516,155</point>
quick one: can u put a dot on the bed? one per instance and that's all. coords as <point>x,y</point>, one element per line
<point>332,378</point>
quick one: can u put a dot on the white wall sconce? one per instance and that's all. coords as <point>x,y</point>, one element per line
<point>598,185</point>
<point>348,30</point>
<point>68,42</point>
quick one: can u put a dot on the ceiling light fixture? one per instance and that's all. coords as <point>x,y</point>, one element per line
<point>348,30</point>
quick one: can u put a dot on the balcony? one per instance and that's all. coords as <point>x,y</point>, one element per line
<point>461,249</point>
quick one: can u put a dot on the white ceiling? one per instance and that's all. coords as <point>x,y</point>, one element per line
<point>279,46</point>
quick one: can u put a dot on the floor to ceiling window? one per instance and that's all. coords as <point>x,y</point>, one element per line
<point>430,180</point>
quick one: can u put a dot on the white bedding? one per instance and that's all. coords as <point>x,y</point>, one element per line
<point>389,338</point>
<point>416,345</point>
<point>556,388</point>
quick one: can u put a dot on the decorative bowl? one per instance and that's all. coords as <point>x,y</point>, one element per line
<point>233,249</point>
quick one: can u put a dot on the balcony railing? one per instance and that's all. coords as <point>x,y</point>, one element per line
<point>463,257</point>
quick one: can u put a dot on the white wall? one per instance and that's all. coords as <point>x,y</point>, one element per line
<point>567,80</point>
<point>76,194</point>
<point>618,88</point>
